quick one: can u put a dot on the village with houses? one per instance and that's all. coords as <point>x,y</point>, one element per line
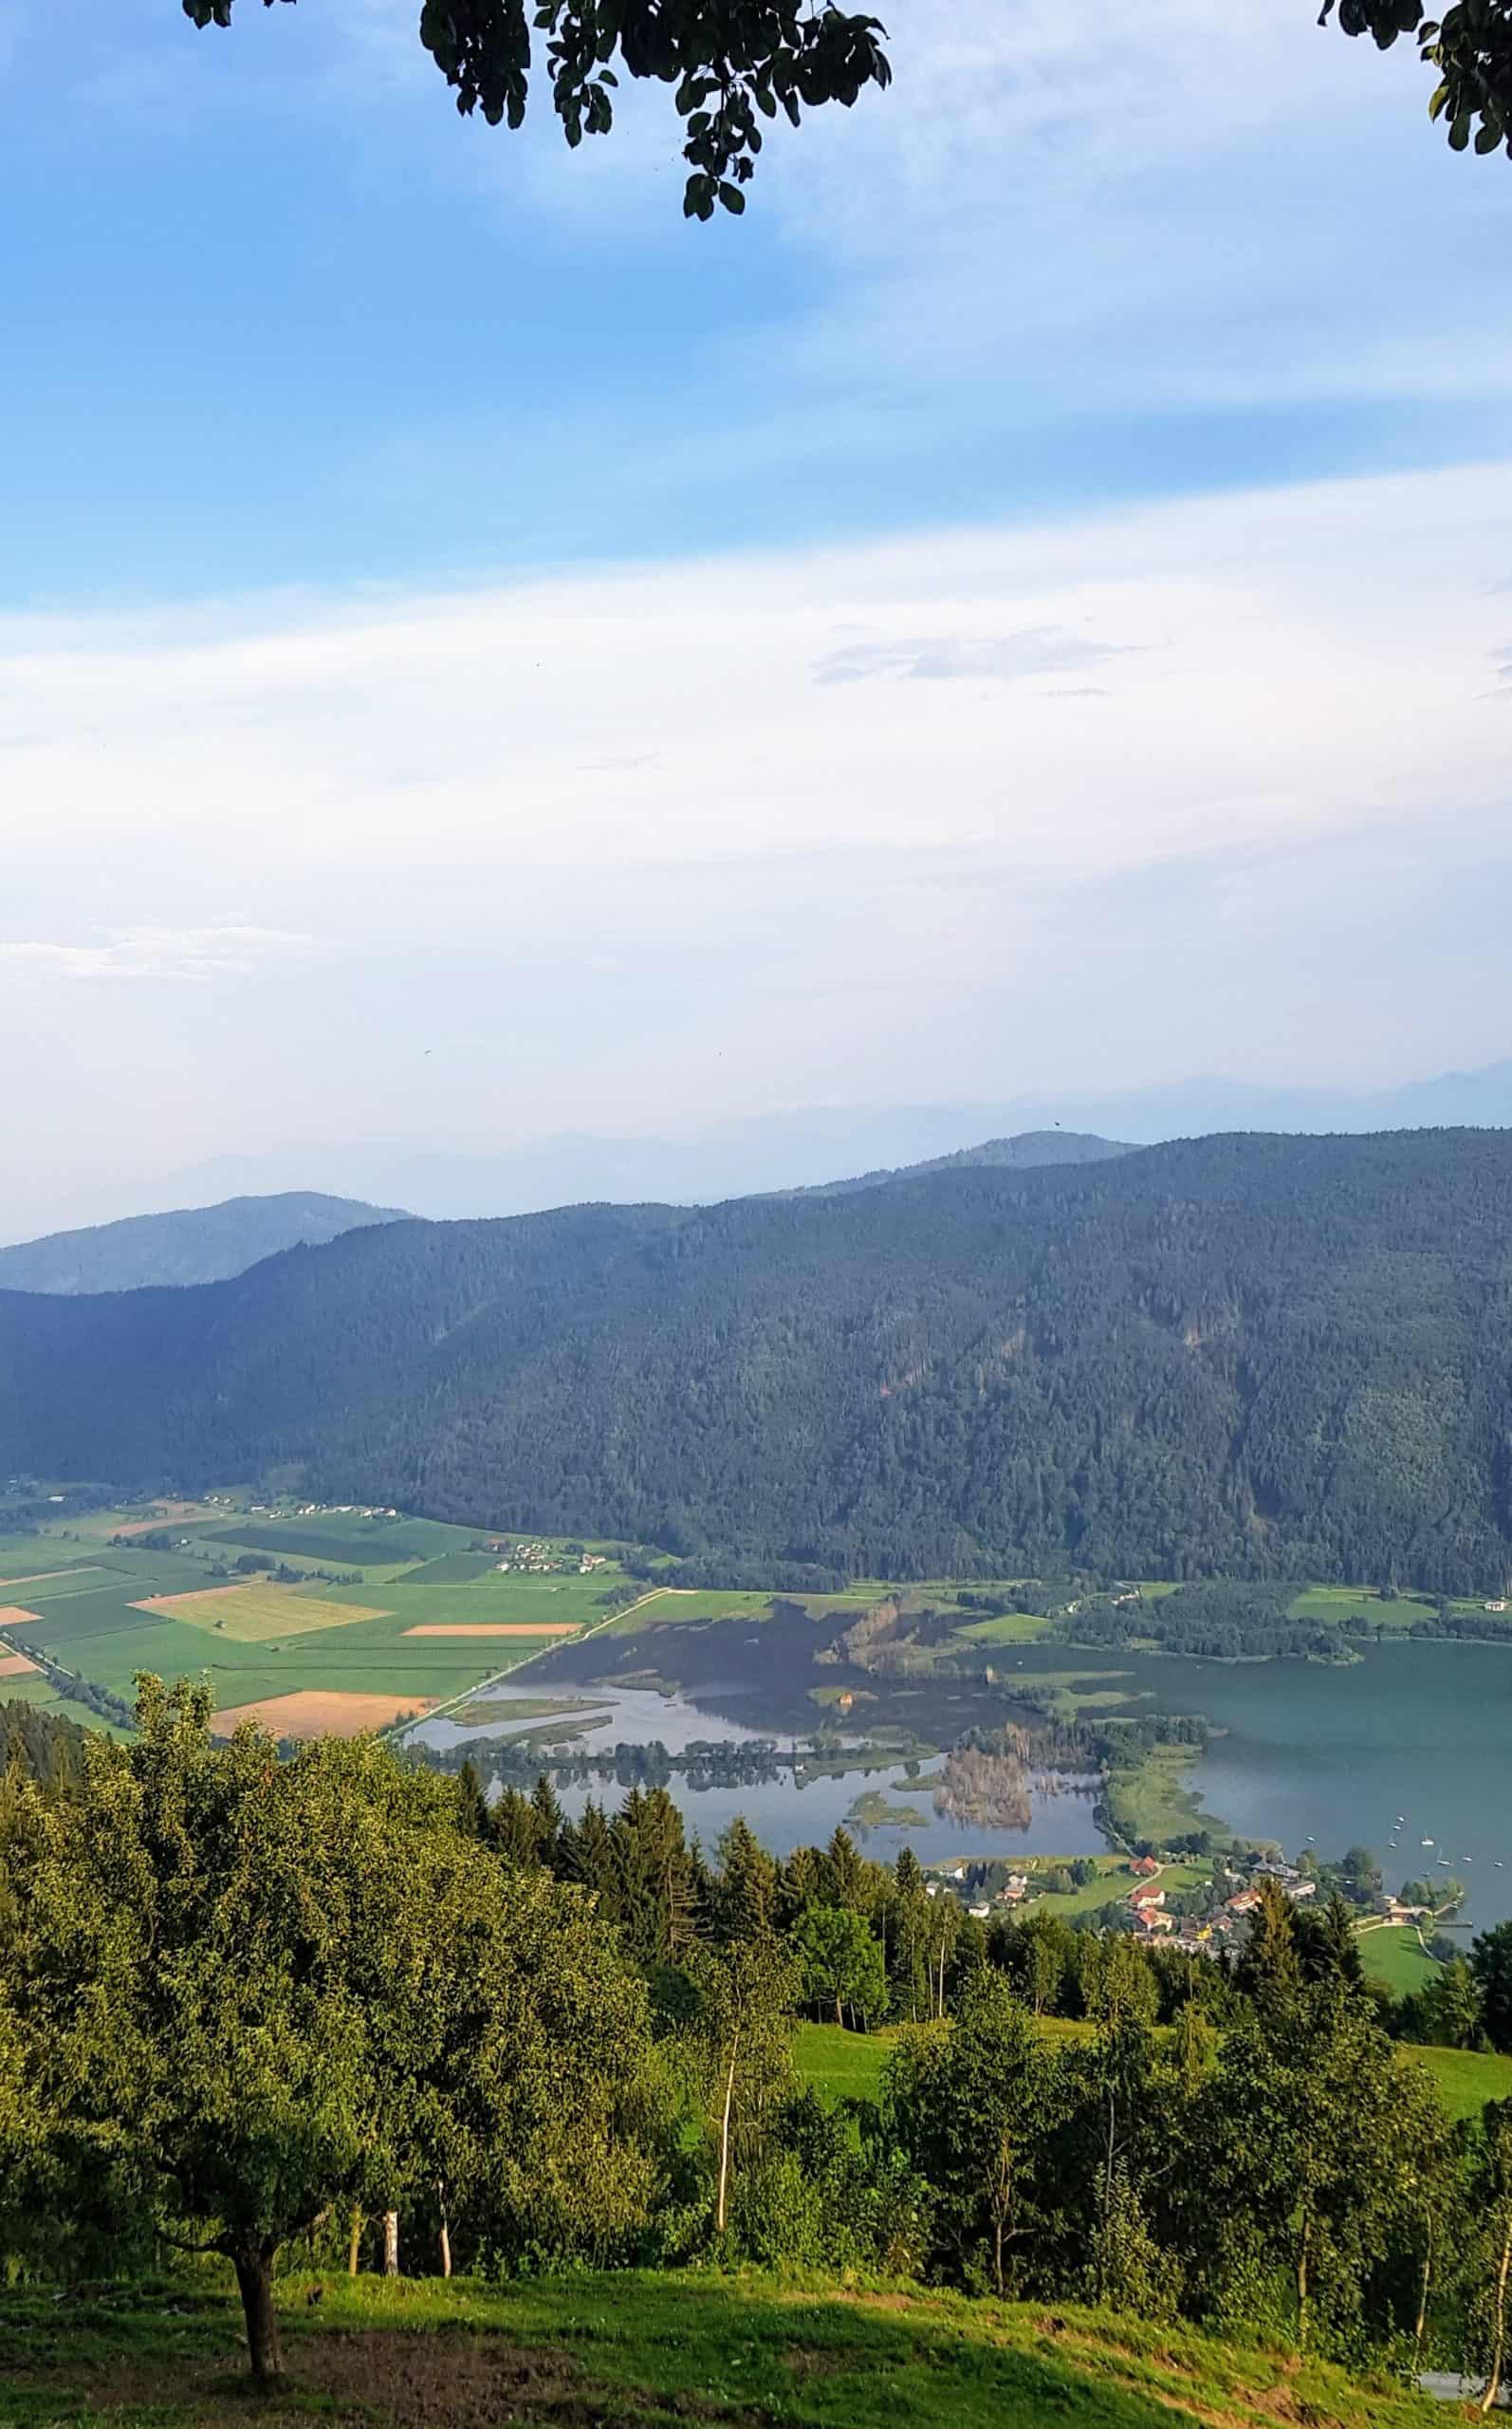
<point>540,1559</point>
<point>1199,1908</point>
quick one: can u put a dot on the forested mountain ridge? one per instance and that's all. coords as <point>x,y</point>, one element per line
<point>192,1244</point>
<point>1242,1354</point>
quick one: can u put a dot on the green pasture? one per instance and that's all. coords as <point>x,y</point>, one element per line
<point>1394,1955</point>
<point>673,1607</point>
<point>350,1543</point>
<point>842,2064</point>
<point>1334,1604</point>
<point>1014,1627</point>
<point>453,1568</point>
<point>1466,2079</point>
<point>640,2349</point>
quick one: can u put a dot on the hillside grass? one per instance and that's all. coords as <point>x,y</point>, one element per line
<point>1395,1955</point>
<point>1466,2079</point>
<point>842,2065</point>
<point>649,2351</point>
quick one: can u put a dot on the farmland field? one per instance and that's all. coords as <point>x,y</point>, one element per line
<point>257,1614</point>
<point>105,1608</point>
<point>315,1714</point>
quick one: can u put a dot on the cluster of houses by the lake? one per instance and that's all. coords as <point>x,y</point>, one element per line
<point>1158,1900</point>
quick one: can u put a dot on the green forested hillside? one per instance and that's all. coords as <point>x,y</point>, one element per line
<point>1244,1355</point>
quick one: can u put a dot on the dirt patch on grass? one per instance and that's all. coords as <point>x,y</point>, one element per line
<point>314,1712</point>
<point>13,1616</point>
<point>414,2379</point>
<point>813,2362</point>
<point>441,2380</point>
<point>497,1627</point>
<point>15,1665</point>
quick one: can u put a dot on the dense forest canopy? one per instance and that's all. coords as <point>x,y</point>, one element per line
<point>1245,1355</point>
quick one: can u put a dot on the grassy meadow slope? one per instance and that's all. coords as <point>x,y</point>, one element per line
<point>642,2351</point>
<point>848,2066</point>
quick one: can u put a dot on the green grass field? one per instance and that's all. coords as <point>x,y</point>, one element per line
<point>1115,1880</point>
<point>1013,1627</point>
<point>1333,1604</point>
<point>1467,2078</point>
<point>676,1607</point>
<point>845,2065</point>
<point>1155,1802</point>
<point>639,2350</point>
<point>1394,1956</point>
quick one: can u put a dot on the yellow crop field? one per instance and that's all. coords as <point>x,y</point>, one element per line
<point>255,1614</point>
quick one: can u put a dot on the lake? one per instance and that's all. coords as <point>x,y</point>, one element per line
<point>1420,1730</point>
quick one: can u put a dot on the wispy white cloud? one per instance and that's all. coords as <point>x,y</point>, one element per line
<point>579,850</point>
<point>944,658</point>
<point>197,954</point>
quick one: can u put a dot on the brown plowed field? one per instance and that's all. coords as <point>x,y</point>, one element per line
<point>313,1711</point>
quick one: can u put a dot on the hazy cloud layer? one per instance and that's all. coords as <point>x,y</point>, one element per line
<point>599,850</point>
<point>947,658</point>
<point>152,952</point>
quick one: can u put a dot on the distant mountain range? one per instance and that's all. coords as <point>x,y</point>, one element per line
<point>192,1244</point>
<point>758,1155</point>
<point>1030,1151</point>
<point>212,1243</point>
<point>1288,1356</point>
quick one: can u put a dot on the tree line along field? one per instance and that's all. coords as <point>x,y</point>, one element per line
<point>404,1617</point>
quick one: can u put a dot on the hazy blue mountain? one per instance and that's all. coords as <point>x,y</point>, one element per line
<point>1030,1151</point>
<point>192,1244</point>
<point>759,1155</point>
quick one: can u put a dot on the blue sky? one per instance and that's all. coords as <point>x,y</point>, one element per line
<point>280,316</point>
<point>427,561</point>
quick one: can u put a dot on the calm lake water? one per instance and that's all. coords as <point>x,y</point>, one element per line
<point>1418,1729</point>
<point>784,1812</point>
<point>1423,1731</point>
